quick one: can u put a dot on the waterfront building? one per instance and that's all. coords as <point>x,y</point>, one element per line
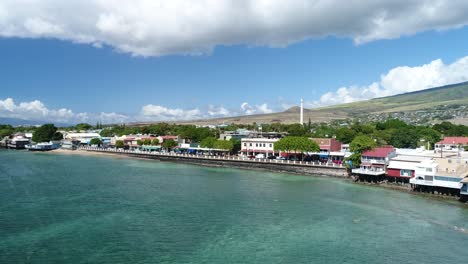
<point>70,144</point>
<point>238,134</point>
<point>452,144</point>
<point>464,189</point>
<point>83,137</point>
<point>374,162</point>
<point>330,150</point>
<point>254,146</point>
<point>327,144</point>
<point>402,167</point>
<point>443,175</point>
<point>177,139</point>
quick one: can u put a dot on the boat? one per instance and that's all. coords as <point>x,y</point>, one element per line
<point>17,142</point>
<point>44,146</point>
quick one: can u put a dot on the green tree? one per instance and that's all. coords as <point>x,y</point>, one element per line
<point>44,133</point>
<point>119,144</point>
<point>139,142</point>
<point>95,141</point>
<point>362,143</point>
<point>430,136</point>
<point>155,142</point>
<point>224,144</point>
<point>391,123</point>
<point>147,142</point>
<point>169,144</point>
<point>345,135</point>
<point>6,130</point>
<point>83,126</point>
<point>208,142</point>
<point>296,130</point>
<point>405,138</point>
<point>57,136</point>
<point>296,144</point>
<point>236,145</point>
<point>359,144</point>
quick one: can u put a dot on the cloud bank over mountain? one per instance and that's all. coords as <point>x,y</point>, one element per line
<point>159,28</point>
<point>399,80</point>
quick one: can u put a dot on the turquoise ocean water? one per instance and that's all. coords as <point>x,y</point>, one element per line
<point>81,209</point>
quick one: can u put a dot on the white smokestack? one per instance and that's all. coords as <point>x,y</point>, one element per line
<point>302,111</point>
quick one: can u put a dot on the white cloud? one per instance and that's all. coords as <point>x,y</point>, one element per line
<point>37,111</point>
<point>248,109</point>
<point>159,113</point>
<point>214,111</point>
<point>399,80</point>
<point>160,27</point>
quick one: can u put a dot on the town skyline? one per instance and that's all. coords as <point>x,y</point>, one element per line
<point>206,74</point>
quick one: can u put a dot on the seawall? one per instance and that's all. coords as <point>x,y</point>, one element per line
<point>304,168</point>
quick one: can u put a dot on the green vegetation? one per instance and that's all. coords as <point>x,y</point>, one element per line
<point>359,145</point>
<point>169,144</point>
<point>208,142</point>
<point>46,133</point>
<point>449,129</point>
<point>95,141</point>
<point>213,143</point>
<point>296,144</point>
<point>83,127</point>
<point>119,144</point>
<point>189,132</point>
<point>6,130</point>
<point>224,144</point>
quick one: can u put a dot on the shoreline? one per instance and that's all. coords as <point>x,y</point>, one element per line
<point>401,188</point>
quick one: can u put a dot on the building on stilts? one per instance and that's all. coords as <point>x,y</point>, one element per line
<point>441,176</point>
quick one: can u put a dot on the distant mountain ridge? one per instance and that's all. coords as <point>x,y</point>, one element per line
<point>24,122</point>
<point>424,100</point>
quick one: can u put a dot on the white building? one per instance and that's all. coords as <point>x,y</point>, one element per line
<point>254,146</point>
<point>83,137</point>
<point>441,172</point>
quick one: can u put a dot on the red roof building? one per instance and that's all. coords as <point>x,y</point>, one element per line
<point>328,144</point>
<point>375,161</point>
<point>452,143</point>
<point>381,152</point>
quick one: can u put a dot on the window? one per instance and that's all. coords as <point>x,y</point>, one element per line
<point>256,144</point>
<point>271,145</point>
<point>464,187</point>
<point>428,178</point>
<point>429,169</point>
<point>245,144</point>
<point>449,179</point>
<point>250,144</point>
<point>405,173</point>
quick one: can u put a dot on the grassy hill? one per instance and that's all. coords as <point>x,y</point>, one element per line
<point>456,94</point>
<point>432,99</point>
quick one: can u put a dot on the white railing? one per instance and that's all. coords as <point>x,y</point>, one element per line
<point>373,161</point>
<point>230,158</point>
<point>368,172</point>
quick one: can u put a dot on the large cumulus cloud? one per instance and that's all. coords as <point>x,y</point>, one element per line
<point>160,27</point>
<point>402,79</point>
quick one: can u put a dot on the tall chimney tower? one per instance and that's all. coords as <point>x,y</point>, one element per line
<point>302,112</point>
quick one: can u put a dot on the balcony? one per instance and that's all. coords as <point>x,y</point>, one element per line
<point>373,161</point>
<point>373,172</point>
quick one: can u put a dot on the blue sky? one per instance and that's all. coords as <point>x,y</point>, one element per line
<point>52,77</point>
